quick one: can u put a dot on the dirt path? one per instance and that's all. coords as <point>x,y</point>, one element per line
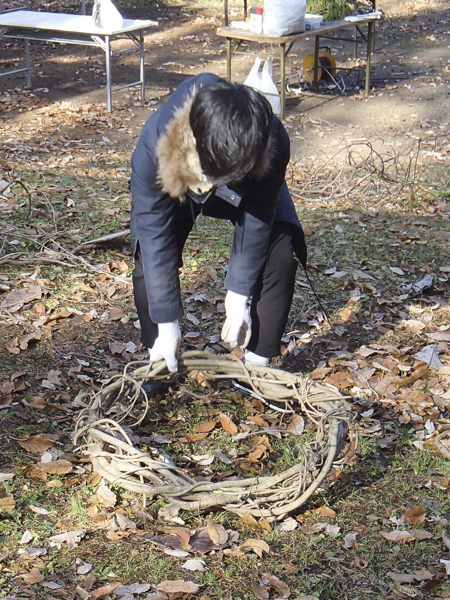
<point>410,80</point>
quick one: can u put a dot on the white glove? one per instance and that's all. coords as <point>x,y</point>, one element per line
<point>237,328</point>
<point>167,344</point>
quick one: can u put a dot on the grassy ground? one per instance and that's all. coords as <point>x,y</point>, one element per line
<point>388,476</point>
<point>377,224</point>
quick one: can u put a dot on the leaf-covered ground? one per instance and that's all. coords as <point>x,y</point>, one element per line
<point>370,181</point>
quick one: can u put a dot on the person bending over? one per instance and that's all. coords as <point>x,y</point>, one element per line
<point>215,148</point>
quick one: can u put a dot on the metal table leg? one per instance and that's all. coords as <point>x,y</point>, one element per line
<point>316,60</point>
<point>108,73</point>
<point>283,78</point>
<point>27,61</point>
<point>369,55</point>
<point>229,59</point>
<point>142,65</point>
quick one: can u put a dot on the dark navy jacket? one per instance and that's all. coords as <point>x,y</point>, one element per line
<point>252,206</point>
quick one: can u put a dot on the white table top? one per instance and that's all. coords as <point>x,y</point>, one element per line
<point>84,24</point>
<point>263,38</point>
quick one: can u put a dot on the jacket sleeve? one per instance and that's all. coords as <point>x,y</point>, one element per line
<point>153,228</point>
<point>255,218</point>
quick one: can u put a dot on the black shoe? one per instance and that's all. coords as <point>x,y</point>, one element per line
<point>286,406</point>
<point>154,387</point>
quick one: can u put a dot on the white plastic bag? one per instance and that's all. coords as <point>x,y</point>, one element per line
<point>263,82</point>
<point>284,17</point>
<point>106,15</point>
<point>254,77</point>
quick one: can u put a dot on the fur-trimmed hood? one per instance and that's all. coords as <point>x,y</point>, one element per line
<point>179,166</point>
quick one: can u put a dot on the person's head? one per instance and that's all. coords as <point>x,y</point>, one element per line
<point>231,124</point>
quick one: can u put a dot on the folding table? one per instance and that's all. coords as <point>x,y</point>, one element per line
<point>74,29</point>
<point>285,44</point>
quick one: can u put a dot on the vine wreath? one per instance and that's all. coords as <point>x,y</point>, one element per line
<point>104,425</point>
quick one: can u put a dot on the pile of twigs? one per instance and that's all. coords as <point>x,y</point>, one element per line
<point>368,173</point>
<point>122,404</point>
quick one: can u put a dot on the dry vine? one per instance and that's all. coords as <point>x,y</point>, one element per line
<point>103,425</point>
<point>368,172</point>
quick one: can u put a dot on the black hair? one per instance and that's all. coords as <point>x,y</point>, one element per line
<point>231,124</point>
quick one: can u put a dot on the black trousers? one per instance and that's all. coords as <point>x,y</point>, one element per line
<point>271,300</point>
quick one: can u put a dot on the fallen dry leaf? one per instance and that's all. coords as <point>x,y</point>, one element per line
<point>203,459</point>
<point>414,515</point>
<point>440,337</point>
<point>103,591</point>
<point>54,483</point>
<point>360,563</point>
<point>248,519</point>
<point>350,540</point>
<point>420,534</point>
<point>413,325</point>
<point>124,522</point>
<point>430,356</point>
<point>223,457</point>
<point>297,425</point>
<point>84,568</point>
<point>288,524</point>
<point>39,510</point>
<point>332,529</point>
<point>34,576</point>
<point>397,536</point>
<point>7,502</point>
<point>402,578</point>
<point>260,592</point>
<point>36,473</point>
<point>258,546</point>
<point>105,496</point>
<point>55,467</point>
<point>178,585</point>
<point>446,539</point>
<point>168,512</point>
<point>282,590</point>
<point>264,524</point>
<point>16,299</point>
<point>423,575</point>
<point>324,511</point>
<point>235,552</point>
<point>405,591</point>
<point>114,536</point>
<point>228,424</point>
<point>183,535</point>
<point>314,528</point>
<point>205,427</point>
<point>27,536</point>
<point>175,552</point>
<point>193,565</point>
<point>71,538</point>
<point>28,553</point>
<point>192,318</point>
<point>258,421</point>
<point>133,588</point>
<point>36,444</point>
<point>116,314</point>
<point>157,596</point>
<point>347,315</point>
<point>51,585</point>
<point>196,437</point>
<point>432,585</point>
<point>217,533</point>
